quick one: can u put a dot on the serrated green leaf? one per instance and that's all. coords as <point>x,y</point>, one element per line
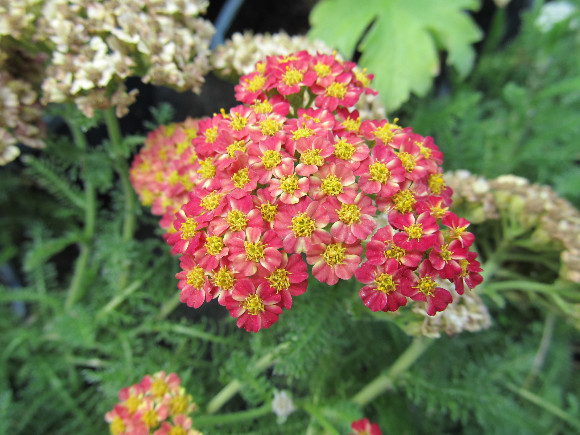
<point>402,42</point>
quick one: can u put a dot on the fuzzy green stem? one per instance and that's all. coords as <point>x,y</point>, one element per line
<point>386,381</point>
<point>542,350</point>
<point>317,415</point>
<point>77,282</point>
<point>532,286</point>
<point>234,417</point>
<point>550,407</point>
<point>231,389</point>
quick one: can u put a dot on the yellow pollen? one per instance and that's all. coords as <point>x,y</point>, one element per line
<point>302,132</point>
<point>334,254</point>
<point>238,145</point>
<point>279,279</point>
<point>117,426</point>
<point>224,278</point>
<point>385,283</point>
<point>133,403</point>
<point>322,69</point>
<point>211,134</point>
<point>150,418</point>
<point>177,430</point>
<point>426,151</point>
<point>168,130</point>
<point>463,263</point>
<point>238,122</point>
<point>289,183</point>
<point>395,252</point>
<point>312,157</point>
<point>268,211</point>
<point>196,277</point>
<point>254,251</point>
<point>387,131</point>
<point>214,245</point>
<point>362,77</point>
<point>254,305</point>
<point>415,231</point>
<point>159,388</point>
<point>160,177</point>
<point>351,124</point>
<point>349,214</point>
<point>207,168</point>
<point>437,211</point>
<point>331,185</point>
<point>263,107</point>
<point>457,232</point>
<point>271,159</point>
<point>179,404</point>
<point>241,178</point>
<point>182,146</point>
<point>147,197</point>
<point>445,253</point>
<point>436,183</point>
<point>270,127</point>
<point>261,67</point>
<point>426,285</point>
<point>337,90</point>
<point>379,172</point>
<point>162,154</point>
<point>303,225</point>
<point>188,228</point>
<point>408,160</point>
<point>187,182</point>
<point>292,76</point>
<point>237,220</point>
<point>210,202</point>
<point>343,149</point>
<point>256,83</point>
<point>404,200</point>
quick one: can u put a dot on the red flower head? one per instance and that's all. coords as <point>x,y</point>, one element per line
<point>255,307</point>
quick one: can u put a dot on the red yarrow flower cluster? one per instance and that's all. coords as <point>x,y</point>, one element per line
<point>158,405</point>
<point>365,427</point>
<point>293,177</point>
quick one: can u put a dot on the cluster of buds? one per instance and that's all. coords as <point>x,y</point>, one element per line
<point>157,405</point>
<point>293,176</point>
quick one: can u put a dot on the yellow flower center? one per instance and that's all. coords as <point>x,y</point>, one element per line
<point>177,430</point>
<point>212,201</point>
<point>150,418</point>
<point>268,211</point>
<point>254,305</point>
<point>426,151</point>
<point>362,77</point>
<point>196,277</point>
<point>237,220</point>
<point>351,124</point>
<point>312,157</point>
<point>173,178</point>
<point>289,183</point>
<point>395,252</point>
<point>437,211</point>
<point>337,90</point>
<point>224,278</point>
<point>426,285</point>
<point>214,245</point>
<point>279,279</point>
<point>404,200</point>
<point>270,127</point>
<point>292,76</point>
<point>241,178</point>
<point>349,214</point>
<point>207,168</point>
<point>238,145</point>
<point>436,183</point>
<point>343,149</point>
<point>179,404</point>
<point>256,83</point>
<point>182,146</point>
<point>133,403</point>
<point>254,251</point>
<point>263,107</point>
<point>188,228</point>
<point>211,134</point>
<point>302,132</point>
<point>117,426</point>
<point>379,172</point>
<point>463,263</point>
<point>303,225</point>
<point>334,254</point>
<point>159,388</point>
<point>387,131</point>
<point>445,253</point>
<point>414,231</point>
<point>322,69</point>
<point>385,283</point>
<point>238,122</point>
<point>331,185</point>
<point>408,160</point>
<point>271,159</point>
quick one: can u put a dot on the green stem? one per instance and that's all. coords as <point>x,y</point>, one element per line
<point>122,167</point>
<point>317,415</point>
<point>542,350</point>
<point>231,389</point>
<point>386,381</point>
<point>76,287</point>
<point>234,417</point>
<point>550,407</point>
<point>531,286</point>
<point>168,306</point>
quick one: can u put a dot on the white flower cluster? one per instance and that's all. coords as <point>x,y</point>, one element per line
<point>97,44</point>
<point>553,13</point>
<point>239,55</point>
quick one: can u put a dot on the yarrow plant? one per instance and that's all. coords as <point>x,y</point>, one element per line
<point>157,405</point>
<point>293,177</point>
